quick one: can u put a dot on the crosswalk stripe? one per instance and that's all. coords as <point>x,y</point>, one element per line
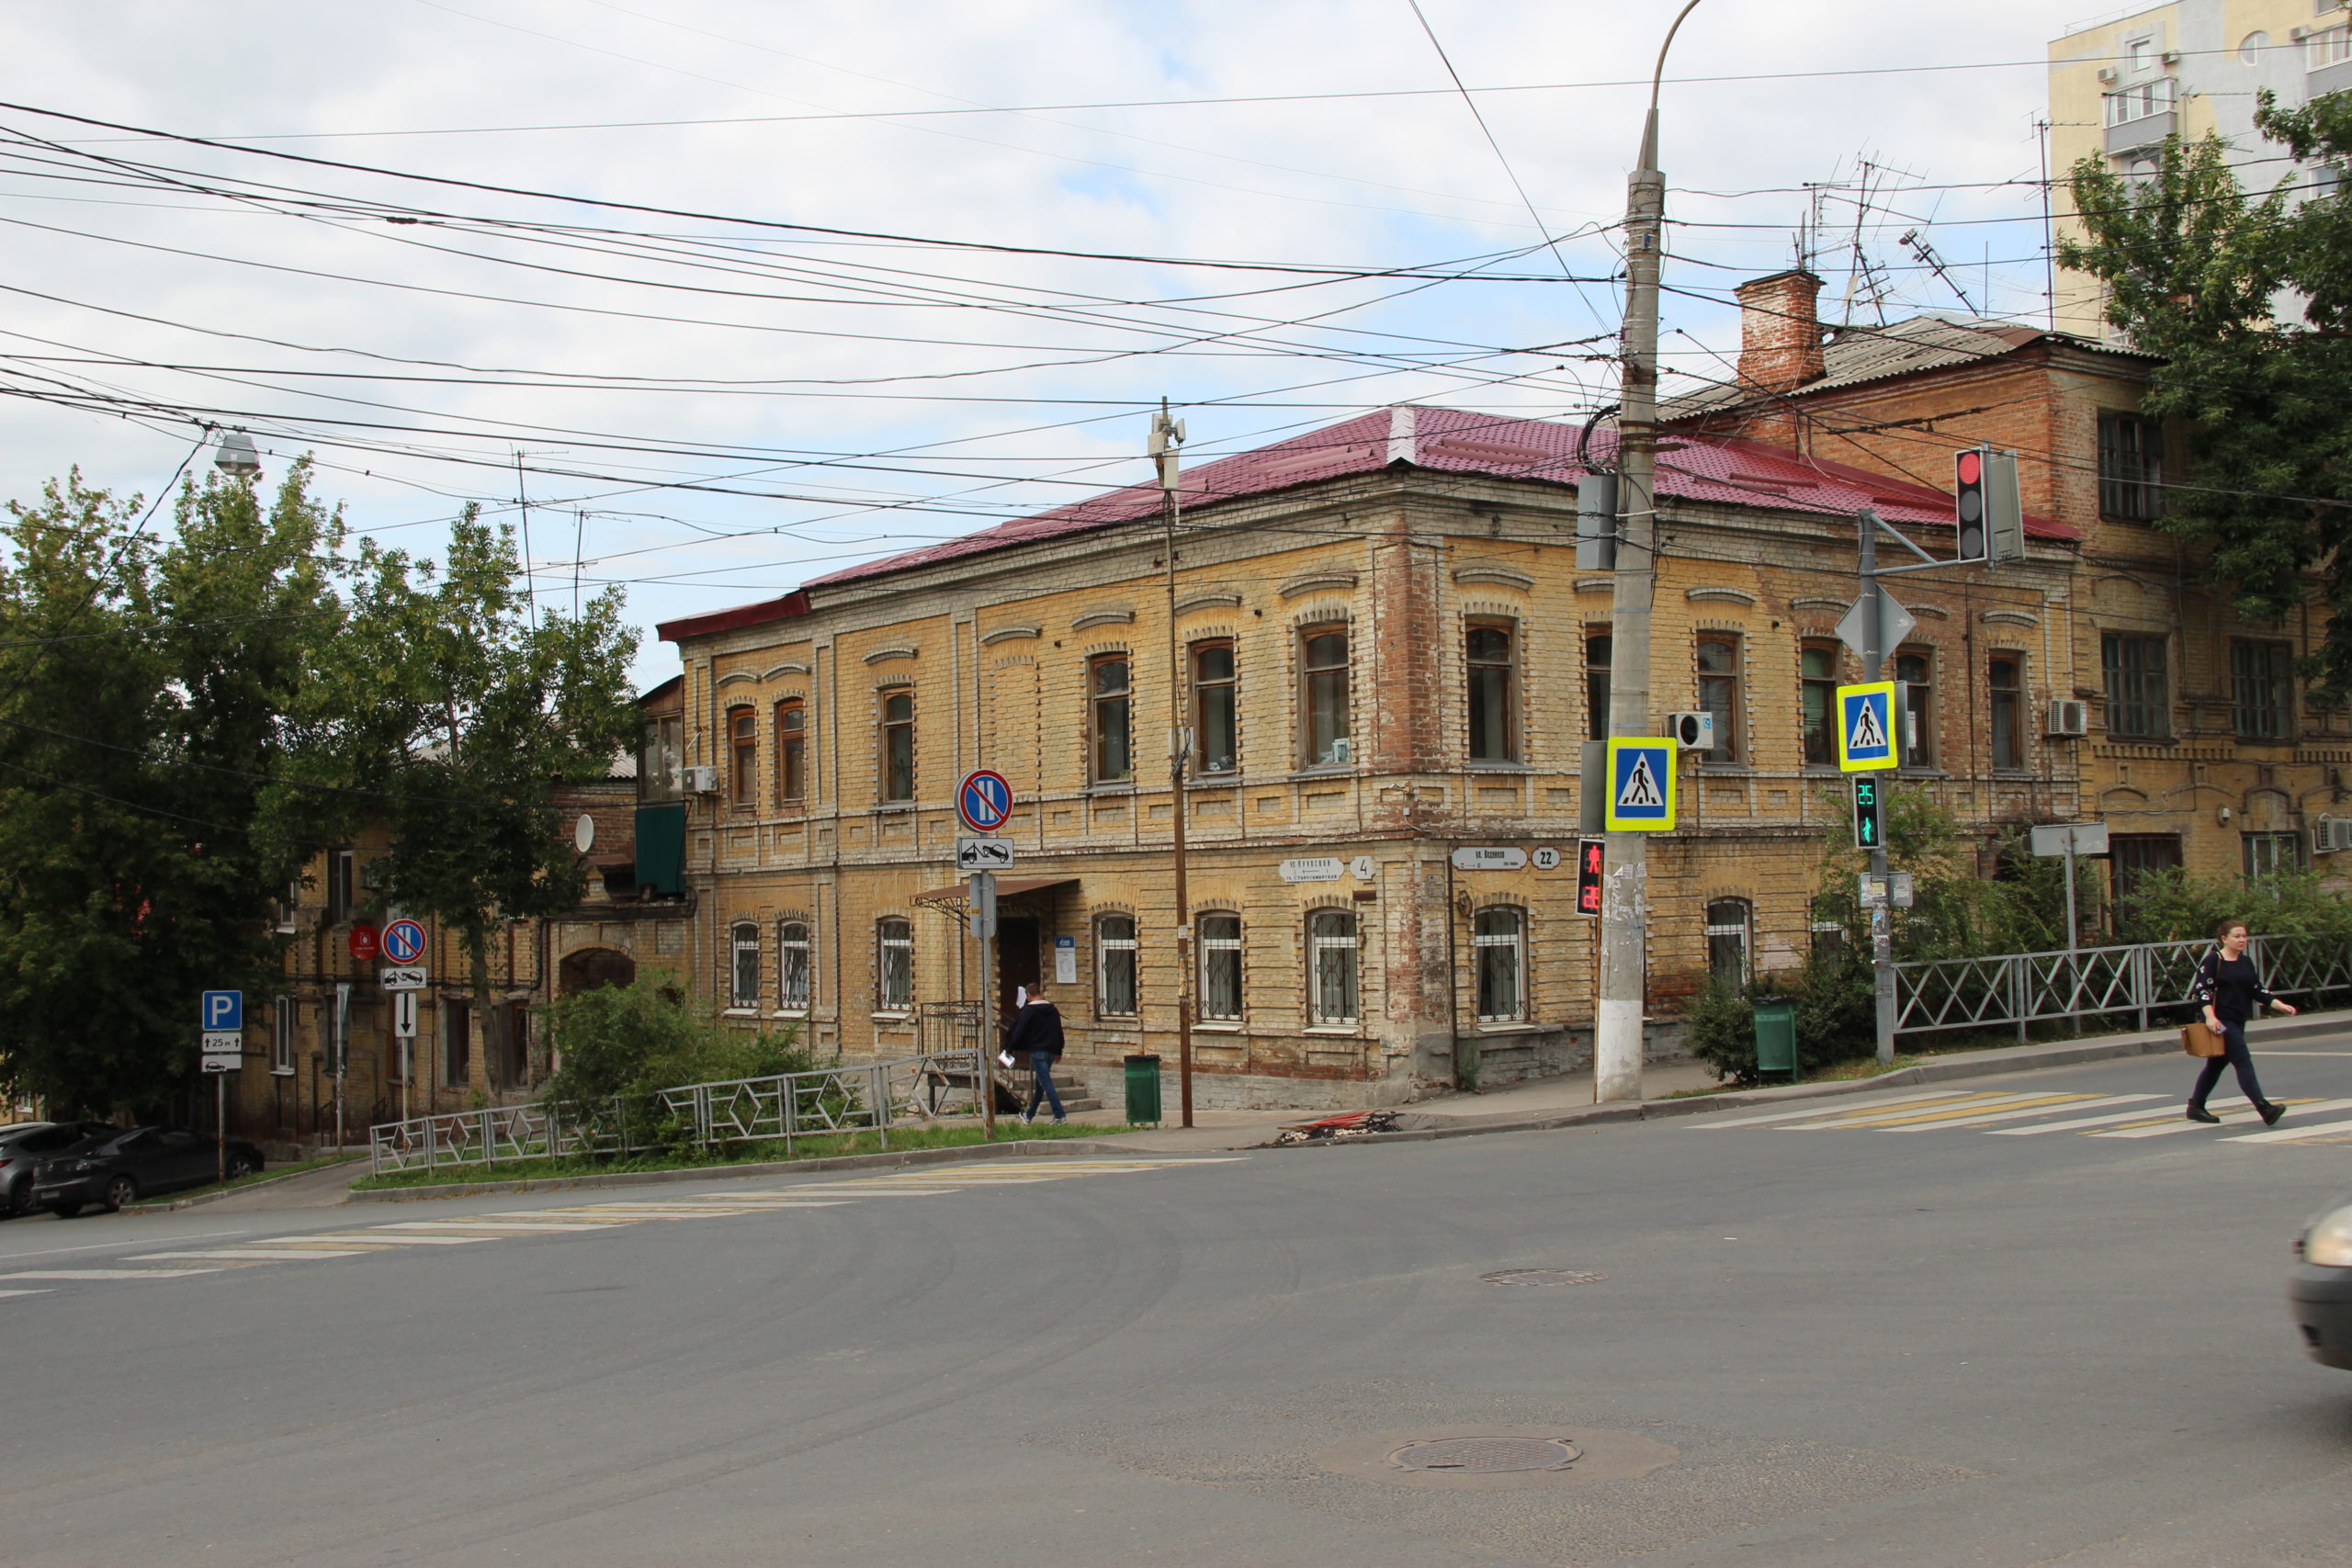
<point>1874,1107</point>
<point>1942,1115</point>
<point>2073,1102</point>
<point>2116,1118</point>
<point>380,1238</point>
<point>2172,1127</point>
<point>23,1292</point>
<point>2288,1135</point>
<point>273,1253</point>
<point>498,1225</point>
<point>105,1273</point>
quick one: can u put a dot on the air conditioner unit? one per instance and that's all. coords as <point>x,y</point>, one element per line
<point>2070,717</point>
<point>701,780</point>
<point>2170,57</point>
<point>2106,74</point>
<point>1692,731</point>
<point>2332,835</point>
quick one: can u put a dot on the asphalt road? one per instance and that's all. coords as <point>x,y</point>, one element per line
<point>1948,1341</point>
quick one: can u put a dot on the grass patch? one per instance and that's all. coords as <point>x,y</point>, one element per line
<point>718,1160</point>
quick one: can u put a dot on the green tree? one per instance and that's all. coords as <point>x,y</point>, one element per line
<point>450,710</point>
<point>141,688</point>
<point>2196,268</point>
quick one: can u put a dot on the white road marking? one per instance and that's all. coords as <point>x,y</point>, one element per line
<point>2229,1118</point>
<point>2034,1111</point>
<point>516,1226</point>
<point>1876,1107</point>
<point>1944,1115</point>
<point>2288,1135</point>
<point>379,1238</point>
<point>23,1292</point>
<point>273,1253</point>
<point>2116,1118</point>
<point>106,1273</point>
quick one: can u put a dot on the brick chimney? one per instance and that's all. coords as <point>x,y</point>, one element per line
<point>1779,346</point>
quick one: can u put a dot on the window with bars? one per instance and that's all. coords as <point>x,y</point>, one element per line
<point>1718,655</point>
<point>1220,937</point>
<point>1324,668</point>
<point>743,966</point>
<point>743,756</point>
<point>796,975</point>
<point>1728,922</point>
<point>1216,729</point>
<point>898,746</point>
<point>791,752</point>
<point>2005,710</point>
<point>1331,989</point>
<point>2131,467</point>
<point>2133,858</point>
<point>1829,934</point>
<point>1499,939</point>
<point>2139,696</point>
<point>1915,694</point>
<point>1493,733</point>
<point>1598,651</point>
<point>1110,719</point>
<point>894,965</point>
<point>1817,702</point>
<point>1114,965</point>
<point>2262,689</point>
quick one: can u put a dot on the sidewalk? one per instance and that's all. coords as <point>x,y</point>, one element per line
<point>1564,1102</point>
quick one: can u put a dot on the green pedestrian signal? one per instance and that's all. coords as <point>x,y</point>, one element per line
<point>1869,832</point>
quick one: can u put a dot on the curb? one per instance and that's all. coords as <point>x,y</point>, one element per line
<point>1021,1148</point>
<point>215,1196</point>
<point>1962,1064</point>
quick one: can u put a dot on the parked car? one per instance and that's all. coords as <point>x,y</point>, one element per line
<point>2320,1287</point>
<point>130,1165</point>
<point>25,1145</point>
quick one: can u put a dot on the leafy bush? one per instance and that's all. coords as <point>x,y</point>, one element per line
<point>2172,905</point>
<point>1836,1016</point>
<point>621,1045</point>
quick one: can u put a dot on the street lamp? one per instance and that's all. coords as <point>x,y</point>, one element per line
<point>236,457</point>
<point>1624,907</point>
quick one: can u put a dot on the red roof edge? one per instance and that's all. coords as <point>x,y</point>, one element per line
<point>792,605</point>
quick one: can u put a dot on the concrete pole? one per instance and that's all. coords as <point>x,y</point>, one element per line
<point>1167,435</point>
<point>1882,913</point>
<point>1624,899</point>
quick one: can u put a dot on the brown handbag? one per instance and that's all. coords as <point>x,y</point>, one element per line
<point>2199,1040</point>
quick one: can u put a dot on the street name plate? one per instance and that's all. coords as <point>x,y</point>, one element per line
<point>1489,857</point>
<point>1312,868</point>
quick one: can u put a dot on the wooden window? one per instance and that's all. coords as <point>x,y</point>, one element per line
<point>898,746</point>
<point>1331,989</point>
<point>1111,719</point>
<point>1216,727</point>
<point>1599,649</point>
<point>894,965</point>
<point>1324,664</point>
<point>1493,731</point>
<point>1728,921</point>
<point>2004,709</point>
<point>1817,703</point>
<point>796,977</point>
<point>658,763</point>
<point>2262,689</point>
<point>742,756</point>
<point>1719,692</point>
<point>2131,467</point>
<point>791,752</point>
<point>1220,968</point>
<point>341,886</point>
<point>1114,965</point>
<point>1499,937</point>
<point>282,1036</point>
<point>2139,696</point>
<point>743,966</point>
<point>1915,704</point>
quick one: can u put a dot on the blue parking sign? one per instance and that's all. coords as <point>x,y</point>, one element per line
<point>223,1010</point>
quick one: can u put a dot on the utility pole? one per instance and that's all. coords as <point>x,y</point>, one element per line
<point>1882,914</point>
<point>1624,906</point>
<point>1167,435</point>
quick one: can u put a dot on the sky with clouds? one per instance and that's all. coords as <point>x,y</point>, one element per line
<point>751,291</point>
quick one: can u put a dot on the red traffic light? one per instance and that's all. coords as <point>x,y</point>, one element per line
<point>1592,856</point>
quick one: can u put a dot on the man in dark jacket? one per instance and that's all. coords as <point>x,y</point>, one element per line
<point>1038,1030</point>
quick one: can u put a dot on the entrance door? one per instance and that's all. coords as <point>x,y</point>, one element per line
<point>1016,961</point>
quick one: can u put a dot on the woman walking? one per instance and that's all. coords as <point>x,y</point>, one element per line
<point>2228,989</point>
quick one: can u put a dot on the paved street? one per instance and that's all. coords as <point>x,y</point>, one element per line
<point>2023,1320</point>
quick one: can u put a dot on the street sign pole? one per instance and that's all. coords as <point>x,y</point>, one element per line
<point>220,1129</point>
<point>1873,666</point>
<point>982,900</point>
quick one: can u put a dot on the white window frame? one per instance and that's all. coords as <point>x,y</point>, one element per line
<point>884,945</point>
<point>284,1031</point>
<point>1347,951</point>
<point>742,965</point>
<point>2325,47</point>
<point>1515,942</point>
<point>1220,945</point>
<point>1120,953</point>
<point>787,948</point>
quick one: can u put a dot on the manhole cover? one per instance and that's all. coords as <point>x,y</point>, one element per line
<point>1541,1277</point>
<point>1486,1456</point>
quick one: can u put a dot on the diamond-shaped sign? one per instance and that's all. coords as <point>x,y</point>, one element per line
<point>1895,624</point>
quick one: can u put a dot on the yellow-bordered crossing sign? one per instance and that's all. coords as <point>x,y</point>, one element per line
<point>1641,786</point>
<point>1866,726</point>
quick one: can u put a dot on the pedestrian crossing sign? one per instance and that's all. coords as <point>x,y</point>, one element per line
<point>1641,786</point>
<point>1866,726</point>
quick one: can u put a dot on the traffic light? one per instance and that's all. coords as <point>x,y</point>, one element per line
<point>1591,858</point>
<point>1868,829</point>
<point>1986,507</point>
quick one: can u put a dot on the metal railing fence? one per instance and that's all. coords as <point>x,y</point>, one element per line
<point>2015,989</point>
<point>869,1097</point>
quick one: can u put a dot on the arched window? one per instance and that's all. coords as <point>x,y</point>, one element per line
<point>1111,720</point>
<point>894,965</point>
<point>1220,968</point>
<point>796,972</point>
<point>1323,699</point>
<point>1331,967</point>
<point>743,966</point>
<point>1728,923</point>
<point>1501,940</point>
<point>1114,965</point>
<point>791,752</point>
<point>1493,719</point>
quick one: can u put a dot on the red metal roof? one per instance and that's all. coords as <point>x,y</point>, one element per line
<point>1726,470</point>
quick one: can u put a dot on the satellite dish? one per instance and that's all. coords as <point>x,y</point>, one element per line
<point>584,833</point>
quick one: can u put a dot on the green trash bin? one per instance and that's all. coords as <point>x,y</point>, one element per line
<point>1143,1090</point>
<point>1776,1036</point>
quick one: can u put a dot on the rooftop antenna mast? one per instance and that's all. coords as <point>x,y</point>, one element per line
<point>1927,253</point>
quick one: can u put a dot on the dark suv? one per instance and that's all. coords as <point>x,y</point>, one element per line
<point>25,1145</point>
<point>127,1167</point>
